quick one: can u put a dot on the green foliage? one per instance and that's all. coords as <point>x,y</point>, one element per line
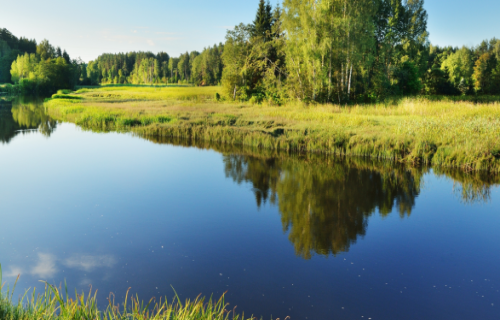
<point>253,57</point>
<point>10,48</point>
<point>262,25</point>
<point>314,51</point>
<point>206,69</point>
<point>148,68</point>
<point>33,74</point>
<point>338,51</point>
<point>459,68</point>
<point>407,78</point>
<point>486,74</point>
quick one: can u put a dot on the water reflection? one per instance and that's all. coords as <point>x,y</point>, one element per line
<point>22,114</point>
<point>325,202</point>
<point>47,265</point>
<point>325,206</point>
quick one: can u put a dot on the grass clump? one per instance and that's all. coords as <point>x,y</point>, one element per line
<point>54,304</point>
<point>440,131</point>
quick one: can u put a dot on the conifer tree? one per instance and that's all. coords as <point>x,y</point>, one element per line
<point>263,20</point>
<point>66,57</point>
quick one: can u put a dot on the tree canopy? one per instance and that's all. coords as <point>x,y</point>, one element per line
<point>318,51</point>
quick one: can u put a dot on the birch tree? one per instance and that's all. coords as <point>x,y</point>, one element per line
<point>329,43</point>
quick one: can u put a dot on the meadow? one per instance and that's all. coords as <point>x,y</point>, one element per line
<point>460,132</point>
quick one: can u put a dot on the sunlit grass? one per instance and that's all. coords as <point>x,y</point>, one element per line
<point>150,93</point>
<point>431,130</point>
<point>53,303</point>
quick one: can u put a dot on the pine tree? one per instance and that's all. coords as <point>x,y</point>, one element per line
<point>66,57</point>
<point>263,21</point>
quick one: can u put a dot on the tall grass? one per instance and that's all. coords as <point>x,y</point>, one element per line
<point>438,131</point>
<point>55,304</point>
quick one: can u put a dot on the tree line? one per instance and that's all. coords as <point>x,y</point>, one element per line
<point>10,48</point>
<point>339,50</point>
<point>37,67</point>
<point>332,51</point>
<point>203,68</point>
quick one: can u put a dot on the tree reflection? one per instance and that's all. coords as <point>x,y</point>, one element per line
<point>325,207</point>
<point>325,202</point>
<point>262,173</point>
<point>23,114</point>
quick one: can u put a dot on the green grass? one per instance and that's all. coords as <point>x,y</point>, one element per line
<point>54,304</point>
<point>437,131</point>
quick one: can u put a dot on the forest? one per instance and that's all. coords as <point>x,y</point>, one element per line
<point>333,51</point>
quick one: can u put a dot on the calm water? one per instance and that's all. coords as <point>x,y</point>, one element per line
<point>306,237</point>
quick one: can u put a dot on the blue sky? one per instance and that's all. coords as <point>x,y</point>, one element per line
<point>89,28</point>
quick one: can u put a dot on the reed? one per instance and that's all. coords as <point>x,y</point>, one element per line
<point>55,304</point>
<point>459,132</point>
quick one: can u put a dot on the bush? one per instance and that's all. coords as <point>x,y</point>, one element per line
<point>257,98</point>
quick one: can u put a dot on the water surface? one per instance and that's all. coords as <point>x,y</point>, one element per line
<point>308,237</point>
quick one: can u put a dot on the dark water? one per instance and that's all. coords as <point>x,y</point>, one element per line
<point>302,236</point>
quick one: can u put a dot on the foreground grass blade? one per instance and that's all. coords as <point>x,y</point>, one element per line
<point>50,304</point>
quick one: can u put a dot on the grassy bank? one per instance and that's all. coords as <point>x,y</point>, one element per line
<point>54,304</point>
<point>442,132</point>
<point>470,187</point>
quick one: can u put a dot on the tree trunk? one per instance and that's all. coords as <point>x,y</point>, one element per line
<point>349,88</point>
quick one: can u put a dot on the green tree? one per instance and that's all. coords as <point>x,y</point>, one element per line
<point>263,21</point>
<point>157,70</point>
<point>459,66</point>
<point>45,50</point>
<point>407,79</point>
<point>483,73</point>
<point>329,45</point>
<point>236,58</point>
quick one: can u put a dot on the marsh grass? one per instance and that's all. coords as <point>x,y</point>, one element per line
<point>472,187</point>
<point>438,131</point>
<point>55,304</point>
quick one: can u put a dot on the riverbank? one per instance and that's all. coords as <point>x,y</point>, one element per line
<point>441,132</point>
<point>54,304</point>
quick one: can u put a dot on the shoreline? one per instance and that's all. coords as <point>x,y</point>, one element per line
<point>415,131</point>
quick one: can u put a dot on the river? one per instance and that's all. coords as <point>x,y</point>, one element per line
<point>305,236</point>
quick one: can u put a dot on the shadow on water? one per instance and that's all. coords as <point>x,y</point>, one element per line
<point>22,115</point>
<point>325,202</point>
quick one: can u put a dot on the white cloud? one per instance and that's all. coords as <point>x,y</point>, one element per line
<point>167,33</point>
<point>150,42</point>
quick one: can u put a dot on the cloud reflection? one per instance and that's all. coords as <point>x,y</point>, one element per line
<point>13,272</point>
<point>89,262</point>
<point>45,267</point>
